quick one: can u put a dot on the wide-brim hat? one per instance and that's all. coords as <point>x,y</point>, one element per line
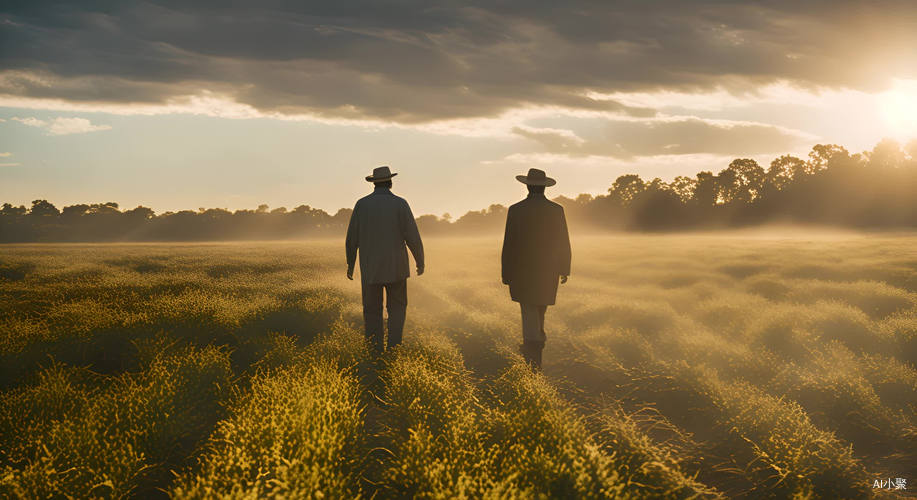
<point>536,178</point>
<point>381,174</point>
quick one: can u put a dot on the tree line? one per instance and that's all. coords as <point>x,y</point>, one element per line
<point>872,189</point>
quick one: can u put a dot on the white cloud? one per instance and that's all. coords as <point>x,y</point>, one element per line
<point>30,121</point>
<point>62,125</point>
<point>626,138</point>
<point>7,155</point>
<point>65,126</point>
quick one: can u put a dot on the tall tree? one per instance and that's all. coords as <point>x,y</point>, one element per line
<point>706,189</point>
<point>43,208</point>
<point>822,154</point>
<point>746,180</point>
<point>626,188</point>
<point>683,187</point>
<point>782,171</point>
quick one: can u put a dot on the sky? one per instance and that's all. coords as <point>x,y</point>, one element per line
<point>182,105</point>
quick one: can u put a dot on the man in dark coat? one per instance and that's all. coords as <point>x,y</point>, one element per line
<point>536,253</point>
<point>380,226</point>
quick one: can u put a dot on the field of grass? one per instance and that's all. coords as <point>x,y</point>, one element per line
<point>724,366</point>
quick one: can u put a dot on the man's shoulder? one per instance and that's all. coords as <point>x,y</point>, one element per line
<point>536,201</point>
<point>385,200</point>
<point>556,206</point>
<point>377,196</point>
<point>520,203</point>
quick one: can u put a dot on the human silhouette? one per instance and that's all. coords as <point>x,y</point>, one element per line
<point>536,252</point>
<point>380,226</point>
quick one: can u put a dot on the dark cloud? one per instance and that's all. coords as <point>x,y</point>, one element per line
<point>632,138</point>
<point>414,60</point>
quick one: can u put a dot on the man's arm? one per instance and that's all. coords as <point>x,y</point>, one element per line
<point>352,243</point>
<point>564,252</point>
<point>412,237</point>
<point>509,244</point>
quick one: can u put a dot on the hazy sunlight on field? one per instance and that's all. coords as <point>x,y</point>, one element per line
<point>675,366</point>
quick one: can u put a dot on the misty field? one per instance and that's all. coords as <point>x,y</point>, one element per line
<point>700,366</point>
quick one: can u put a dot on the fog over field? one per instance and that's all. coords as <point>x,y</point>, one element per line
<point>205,205</point>
<point>764,363</point>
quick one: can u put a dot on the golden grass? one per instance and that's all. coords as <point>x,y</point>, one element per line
<point>676,367</point>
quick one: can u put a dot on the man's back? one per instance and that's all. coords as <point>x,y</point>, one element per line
<point>380,226</point>
<point>536,249</point>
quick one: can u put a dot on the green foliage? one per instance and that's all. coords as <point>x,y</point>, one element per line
<point>650,469</point>
<point>432,427</point>
<point>296,433</point>
<point>71,440</point>
<point>545,444</point>
<point>518,440</point>
<point>798,457</point>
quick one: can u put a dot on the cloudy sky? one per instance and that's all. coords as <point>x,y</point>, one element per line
<point>178,105</point>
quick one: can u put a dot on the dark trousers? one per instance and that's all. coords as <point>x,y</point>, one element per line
<point>533,321</point>
<point>533,336</point>
<point>396,302</point>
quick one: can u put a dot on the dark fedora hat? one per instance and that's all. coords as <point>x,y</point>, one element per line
<point>381,174</point>
<point>536,178</point>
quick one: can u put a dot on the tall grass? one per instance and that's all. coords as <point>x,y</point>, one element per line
<point>72,439</point>
<point>296,433</point>
<point>676,367</point>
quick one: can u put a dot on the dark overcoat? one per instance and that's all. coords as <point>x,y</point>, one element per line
<point>536,250</point>
<point>380,226</point>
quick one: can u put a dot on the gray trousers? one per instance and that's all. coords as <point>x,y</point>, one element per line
<point>533,322</point>
<point>396,302</point>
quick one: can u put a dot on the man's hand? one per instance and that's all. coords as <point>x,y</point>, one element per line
<point>419,270</point>
<point>563,279</point>
<point>350,273</point>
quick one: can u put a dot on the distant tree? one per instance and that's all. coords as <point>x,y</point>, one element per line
<point>886,154</point>
<point>432,224</point>
<point>490,218</point>
<point>911,149</point>
<point>72,212</point>
<point>626,188</point>
<point>584,198</point>
<point>744,180</point>
<point>683,187</point>
<point>214,213</point>
<point>341,218</point>
<point>706,189</point>
<point>104,208</point>
<point>783,170</point>
<point>42,208</point>
<point>9,210</point>
<point>727,186</point>
<point>822,154</point>
<point>657,184</point>
<point>262,209</point>
<point>140,212</point>
<point>657,207</point>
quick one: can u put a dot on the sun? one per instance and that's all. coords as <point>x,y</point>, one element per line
<point>899,109</point>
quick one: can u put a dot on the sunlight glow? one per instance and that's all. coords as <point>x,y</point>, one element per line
<point>899,108</point>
